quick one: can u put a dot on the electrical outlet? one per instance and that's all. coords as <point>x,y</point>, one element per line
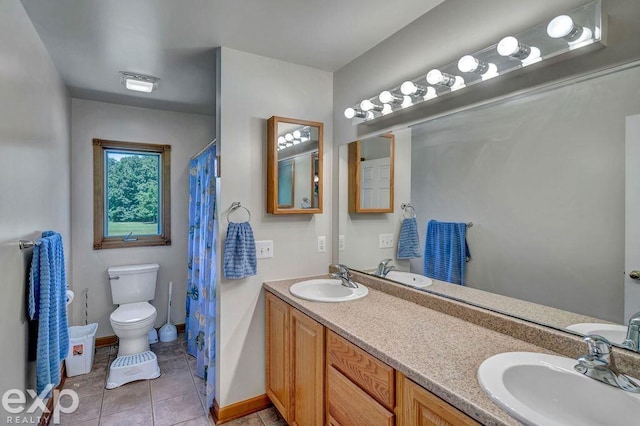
<point>264,249</point>
<point>386,241</point>
<point>322,244</point>
<point>340,242</point>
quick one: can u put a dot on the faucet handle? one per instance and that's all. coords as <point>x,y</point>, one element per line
<point>384,262</point>
<point>598,345</point>
<point>343,269</point>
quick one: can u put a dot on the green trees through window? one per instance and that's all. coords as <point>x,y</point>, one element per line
<point>133,193</point>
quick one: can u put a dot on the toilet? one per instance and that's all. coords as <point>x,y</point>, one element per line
<point>132,287</point>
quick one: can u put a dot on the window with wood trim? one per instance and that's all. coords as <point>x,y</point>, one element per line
<point>132,194</point>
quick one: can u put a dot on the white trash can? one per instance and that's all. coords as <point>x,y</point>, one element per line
<point>82,341</point>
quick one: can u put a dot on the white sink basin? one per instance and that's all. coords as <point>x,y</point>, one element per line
<point>540,389</point>
<point>327,290</point>
<point>408,278</point>
<point>612,332</point>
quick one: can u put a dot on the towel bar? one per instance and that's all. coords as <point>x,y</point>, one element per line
<point>25,244</point>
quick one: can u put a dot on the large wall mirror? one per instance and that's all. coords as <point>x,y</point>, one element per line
<point>371,175</point>
<point>294,166</point>
<point>542,176</point>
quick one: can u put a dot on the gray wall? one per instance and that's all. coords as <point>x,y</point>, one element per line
<point>187,134</point>
<point>34,176</point>
<point>254,88</point>
<point>542,179</point>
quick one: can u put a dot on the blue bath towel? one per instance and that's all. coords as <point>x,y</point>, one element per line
<point>47,304</point>
<point>239,251</point>
<point>409,241</point>
<point>446,251</point>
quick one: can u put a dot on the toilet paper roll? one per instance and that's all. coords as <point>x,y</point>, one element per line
<point>70,296</point>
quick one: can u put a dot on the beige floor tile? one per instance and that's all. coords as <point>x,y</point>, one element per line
<point>173,365</point>
<point>84,385</point>
<point>250,420</point>
<point>126,397</point>
<point>177,409</point>
<point>138,416</point>
<point>92,422</point>
<point>271,417</point>
<point>88,409</point>
<point>200,421</point>
<point>173,385</point>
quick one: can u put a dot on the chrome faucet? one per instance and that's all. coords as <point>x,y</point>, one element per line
<point>633,333</point>
<point>383,269</point>
<point>599,365</point>
<point>344,274</point>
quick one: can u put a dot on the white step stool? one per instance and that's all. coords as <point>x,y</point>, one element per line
<point>129,368</point>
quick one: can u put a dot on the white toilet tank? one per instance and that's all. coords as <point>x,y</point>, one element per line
<point>133,283</point>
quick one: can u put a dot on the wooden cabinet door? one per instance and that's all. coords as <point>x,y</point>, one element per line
<point>419,407</point>
<point>348,405</point>
<point>277,354</point>
<point>307,370</point>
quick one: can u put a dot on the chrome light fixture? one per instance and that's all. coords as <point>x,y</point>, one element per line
<point>570,31</point>
<point>139,82</point>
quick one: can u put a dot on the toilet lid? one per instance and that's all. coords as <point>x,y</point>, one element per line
<point>132,312</point>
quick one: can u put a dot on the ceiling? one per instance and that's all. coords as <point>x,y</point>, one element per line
<point>91,40</point>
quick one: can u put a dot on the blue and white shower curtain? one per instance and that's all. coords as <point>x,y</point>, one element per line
<point>201,284</point>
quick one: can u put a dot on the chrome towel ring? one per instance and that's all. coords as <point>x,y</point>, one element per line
<point>407,209</point>
<point>235,206</point>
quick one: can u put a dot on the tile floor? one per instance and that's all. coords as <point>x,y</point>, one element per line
<point>175,398</point>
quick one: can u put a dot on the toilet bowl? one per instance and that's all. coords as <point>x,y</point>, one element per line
<point>132,287</point>
<point>131,322</point>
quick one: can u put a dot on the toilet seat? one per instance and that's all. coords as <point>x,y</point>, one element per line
<point>132,314</point>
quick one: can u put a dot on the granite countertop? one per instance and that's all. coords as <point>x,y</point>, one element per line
<point>440,352</point>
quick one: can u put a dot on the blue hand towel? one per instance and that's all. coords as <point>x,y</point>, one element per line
<point>239,251</point>
<point>409,241</point>
<point>47,303</point>
<point>446,251</point>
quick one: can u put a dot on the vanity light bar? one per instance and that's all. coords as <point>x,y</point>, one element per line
<point>296,137</point>
<point>567,32</point>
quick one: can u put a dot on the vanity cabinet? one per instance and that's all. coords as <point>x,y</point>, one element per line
<point>295,363</point>
<point>360,388</point>
<point>417,406</point>
<point>302,355</point>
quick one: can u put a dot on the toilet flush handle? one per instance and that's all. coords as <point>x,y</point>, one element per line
<point>117,277</point>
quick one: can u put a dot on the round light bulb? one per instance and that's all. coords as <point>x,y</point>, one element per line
<point>560,26</point>
<point>349,113</point>
<point>435,77</point>
<point>297,134</point>
<point>296,141</point>
<point>406,101</point>
<point>366,105</point>
<point>386,109</point>
<point>288,137</point>
<point>408,88</point>
<point>386,97</point>
<point>431,93</point>
<point>468,64</point>
<point>289,144</point>
<point>281,140</point>
<point>508,46</point>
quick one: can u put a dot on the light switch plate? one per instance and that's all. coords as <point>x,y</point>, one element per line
<point>340,242</point>
<point>386,241</point>
<point>322,244</point>
<point>264,249</point>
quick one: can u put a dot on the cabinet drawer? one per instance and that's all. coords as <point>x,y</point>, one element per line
<point>373,376</point>
<point>348,405</point>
